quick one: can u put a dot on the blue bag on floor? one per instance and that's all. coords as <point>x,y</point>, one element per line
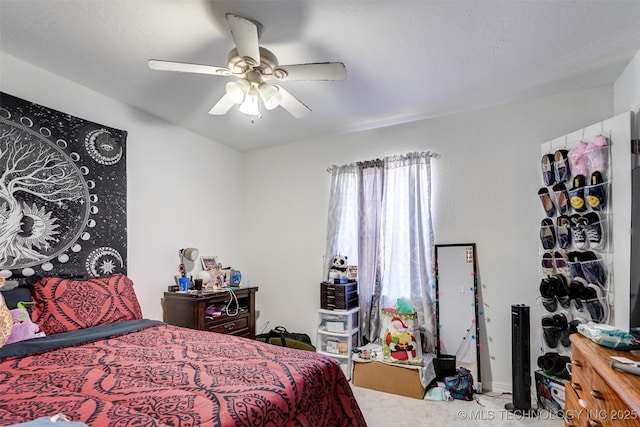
<point>460,385</point>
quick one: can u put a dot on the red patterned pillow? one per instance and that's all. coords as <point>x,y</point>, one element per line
<point>63,305</point>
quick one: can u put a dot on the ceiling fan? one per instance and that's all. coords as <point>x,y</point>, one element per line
<point>255,68</point>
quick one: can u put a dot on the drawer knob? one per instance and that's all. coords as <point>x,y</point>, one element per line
<point>229,326</point>
<point>597,394</point>
<point>576,363</point>
<point>595,423</point>
<point>577,386</point>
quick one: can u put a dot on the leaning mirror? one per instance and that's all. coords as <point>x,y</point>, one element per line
<point>456,308</point>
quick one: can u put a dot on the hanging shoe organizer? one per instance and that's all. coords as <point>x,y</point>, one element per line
<point>575,257</point>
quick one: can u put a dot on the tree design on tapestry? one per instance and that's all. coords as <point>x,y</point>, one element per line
<point>62,193</point>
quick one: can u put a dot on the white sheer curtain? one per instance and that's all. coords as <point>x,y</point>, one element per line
<point>407,245</point>
<point>342,227</point>
<point>380,217</point>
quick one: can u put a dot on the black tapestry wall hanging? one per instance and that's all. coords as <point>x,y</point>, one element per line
<point>63,194</point>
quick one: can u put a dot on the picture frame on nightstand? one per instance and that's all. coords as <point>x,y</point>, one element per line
<point>209,262</point>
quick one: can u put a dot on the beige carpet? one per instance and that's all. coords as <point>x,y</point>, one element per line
<point>384,409</point>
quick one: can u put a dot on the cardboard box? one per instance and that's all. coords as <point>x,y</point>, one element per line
<point>550,392</point>
<point>388,378</point>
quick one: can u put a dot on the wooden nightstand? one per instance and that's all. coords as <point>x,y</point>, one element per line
<point>187,309</point>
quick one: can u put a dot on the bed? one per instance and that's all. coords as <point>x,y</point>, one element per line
<point>104,365</point>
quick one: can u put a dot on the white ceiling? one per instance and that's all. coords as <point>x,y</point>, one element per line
<point>405,60</point>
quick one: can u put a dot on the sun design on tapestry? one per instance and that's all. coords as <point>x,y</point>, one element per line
<point>54,171</point>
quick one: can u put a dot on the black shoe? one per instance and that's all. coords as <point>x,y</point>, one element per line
<point>545,362</point>
<point>576,292</point>
<point>547,203</point>
<point>547,291</point>
<point>575,264</point>
<point>573,325</point>
<point>548,169</point>
<point>562,198</point>
<point>550,331</point>
<point>563,224</point>
<point>559,367</point>
<point>576,194</point>
<point>562,319</point>
<point>596,193</point>
<point>592,299</point>
<point>564,337</point>
<point>547,234</point>
<point>562,165</point>
<point>561,290</point>
<point>596,305</point>
<point>592,269</point>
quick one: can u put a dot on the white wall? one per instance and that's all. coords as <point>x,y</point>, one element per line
<point>183,190</point>
<point>626,89</point>
<point>485,191</point>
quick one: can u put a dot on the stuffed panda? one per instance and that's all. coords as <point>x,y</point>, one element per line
<point>338,267</point>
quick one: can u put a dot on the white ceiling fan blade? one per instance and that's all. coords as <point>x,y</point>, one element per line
<point>292,104</point>
<point>185,67</point>
<point>245,36</point>
<point>223,106</point>
<point>313,71</point>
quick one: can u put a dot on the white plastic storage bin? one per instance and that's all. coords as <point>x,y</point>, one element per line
<point>338,334</point>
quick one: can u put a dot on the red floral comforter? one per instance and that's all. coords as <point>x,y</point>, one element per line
<point>169,376</point>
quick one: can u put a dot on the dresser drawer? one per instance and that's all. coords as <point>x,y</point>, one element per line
<point>581,373</point>
<point>608,409</point>
<point>574,414</point>
<point>236,326</point>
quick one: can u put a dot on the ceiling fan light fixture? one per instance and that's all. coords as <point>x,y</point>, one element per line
<point>251,104</point>
<point>237,90</point>
<point>271,96</point>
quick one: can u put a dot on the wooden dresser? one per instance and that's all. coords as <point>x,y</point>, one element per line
<point>188,309</point>
<point>599,395</point>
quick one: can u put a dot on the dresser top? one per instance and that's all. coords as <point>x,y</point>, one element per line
<point>625,385</point>
<point>209,294</point>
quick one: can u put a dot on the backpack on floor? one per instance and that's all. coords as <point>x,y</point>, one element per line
<point>280,336</point>
<point>460,385</point>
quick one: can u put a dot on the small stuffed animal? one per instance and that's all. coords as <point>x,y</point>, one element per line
<point>338,268</point>
<point>23,327</point>
<point>6,323</point>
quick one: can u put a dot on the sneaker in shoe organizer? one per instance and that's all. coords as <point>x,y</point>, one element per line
<point>588,231</point>
<point>578,226</point>
<point>595,230</point>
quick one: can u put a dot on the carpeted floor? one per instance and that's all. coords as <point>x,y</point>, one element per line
<point>384,409</point>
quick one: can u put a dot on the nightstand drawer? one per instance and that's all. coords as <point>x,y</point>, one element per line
<point>233,326</point>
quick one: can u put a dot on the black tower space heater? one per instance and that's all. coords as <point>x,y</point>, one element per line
<point>520,362</point>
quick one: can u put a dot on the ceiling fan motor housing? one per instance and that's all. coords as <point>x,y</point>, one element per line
<point>241,67</point>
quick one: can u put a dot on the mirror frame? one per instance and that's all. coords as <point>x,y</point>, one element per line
<point>478,376</point>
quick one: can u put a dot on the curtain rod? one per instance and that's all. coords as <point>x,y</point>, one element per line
<point>377,162</point>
